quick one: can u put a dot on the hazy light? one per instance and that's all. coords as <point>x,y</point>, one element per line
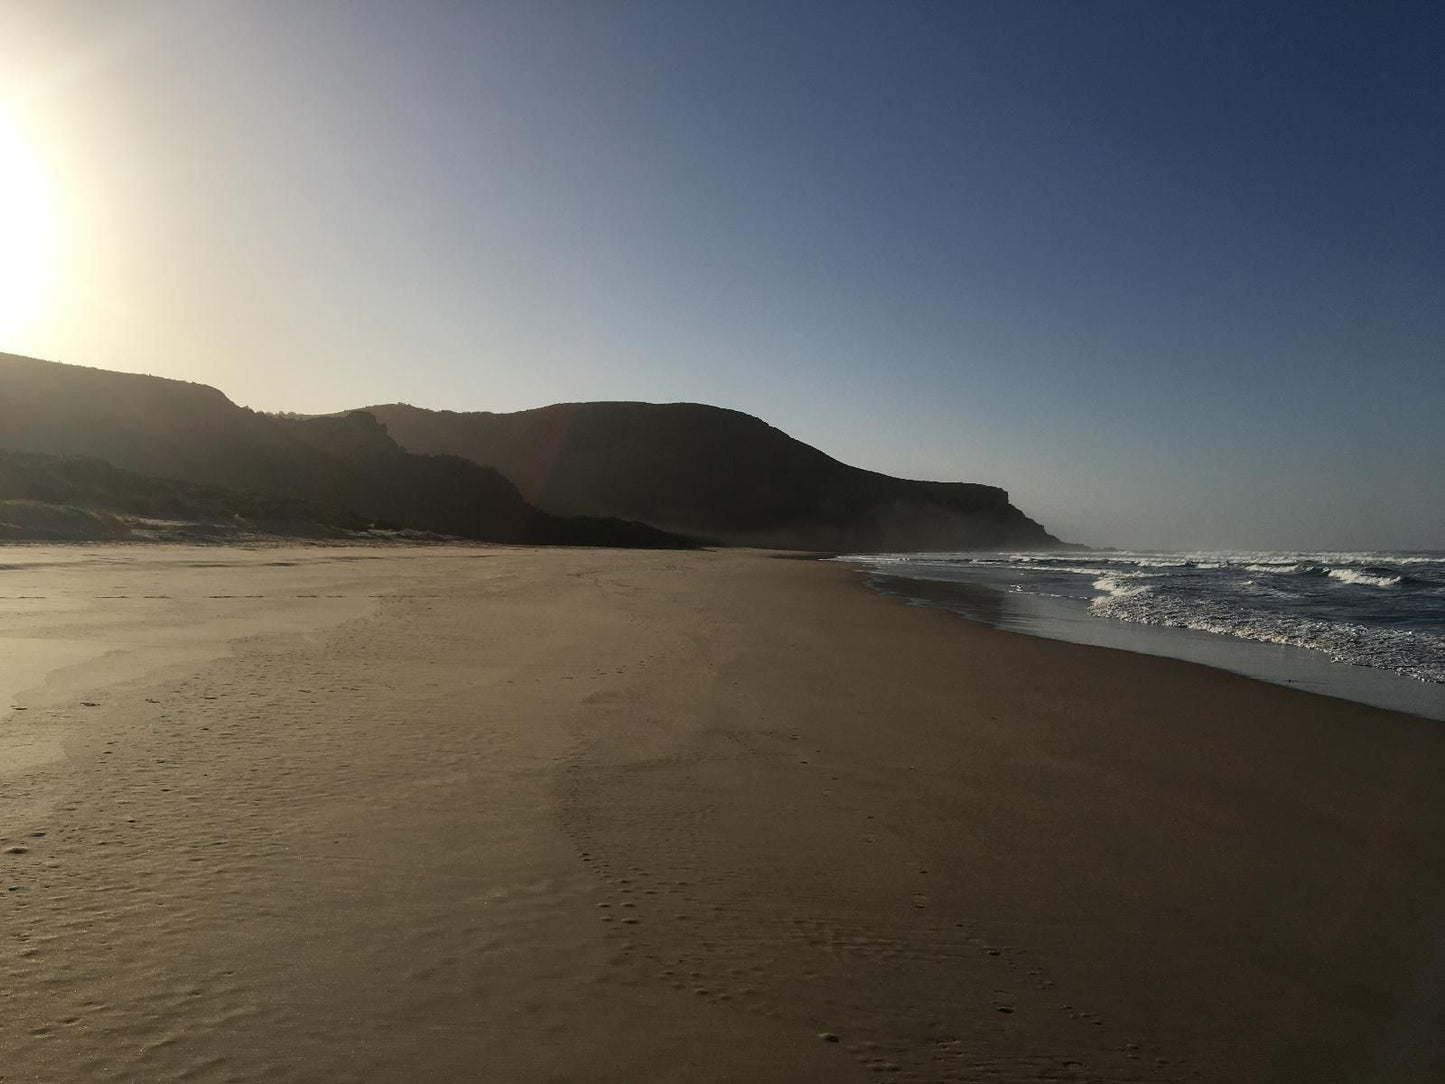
<point>27,243</point>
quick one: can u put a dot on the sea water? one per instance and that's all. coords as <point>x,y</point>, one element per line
<point>1363,626</point>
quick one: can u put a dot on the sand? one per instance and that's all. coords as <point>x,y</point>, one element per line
<point>488,814</point>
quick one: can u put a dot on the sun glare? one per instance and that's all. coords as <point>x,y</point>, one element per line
<point>27,256</point>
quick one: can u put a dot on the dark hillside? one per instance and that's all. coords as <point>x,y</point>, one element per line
<point>720,473</point>
<point>93,483</point>
<point>73,497</point>
<point>345,466</point>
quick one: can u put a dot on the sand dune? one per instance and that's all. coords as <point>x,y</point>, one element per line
<point>324,814</point>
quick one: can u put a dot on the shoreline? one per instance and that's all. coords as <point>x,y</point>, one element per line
<point>1054,618</point>
<point>630,815</point>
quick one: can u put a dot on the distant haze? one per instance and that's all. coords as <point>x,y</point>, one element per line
<point>1172,274</point>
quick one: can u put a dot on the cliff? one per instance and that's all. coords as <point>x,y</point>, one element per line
<point>716,473</point>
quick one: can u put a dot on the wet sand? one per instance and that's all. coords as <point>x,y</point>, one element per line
<point>456,814</point>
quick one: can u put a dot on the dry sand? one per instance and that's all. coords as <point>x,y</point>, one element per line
<point>315,814</point>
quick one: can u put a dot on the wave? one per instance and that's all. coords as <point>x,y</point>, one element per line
<point>1376,609</point>
<point>1268,589</point>
<point>1117,587</point>
<point>1362,578</point>
<point>1411,653</point>
<point>1318,562</point>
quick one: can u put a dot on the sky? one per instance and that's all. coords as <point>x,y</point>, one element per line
<point>1172,274</point>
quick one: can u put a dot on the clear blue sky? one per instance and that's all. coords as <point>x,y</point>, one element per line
<point>1172,273</point>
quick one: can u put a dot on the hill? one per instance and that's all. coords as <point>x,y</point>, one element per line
<point>76,497</point>
<point>347,467</point>
<point>713,472</point>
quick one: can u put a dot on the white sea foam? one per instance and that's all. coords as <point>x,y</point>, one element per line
<point>1375,609</point>
<point>1364,579</point>
<point>1115,586</point>
<point>1413,653</point>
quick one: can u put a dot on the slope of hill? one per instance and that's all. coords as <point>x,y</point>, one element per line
<point>713,472</point>
<point>76,497</point>
<point>347,465</point>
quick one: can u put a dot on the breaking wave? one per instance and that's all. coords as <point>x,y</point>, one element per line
<point>1365,579</point>
<point>1375,609</point>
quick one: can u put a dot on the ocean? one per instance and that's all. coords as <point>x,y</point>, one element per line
<point>1363,626</point>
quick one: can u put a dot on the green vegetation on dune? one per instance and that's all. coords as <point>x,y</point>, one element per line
<point>85,482</point>
<point>65,497</point>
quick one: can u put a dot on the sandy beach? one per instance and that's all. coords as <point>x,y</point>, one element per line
<point>487,814</point>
